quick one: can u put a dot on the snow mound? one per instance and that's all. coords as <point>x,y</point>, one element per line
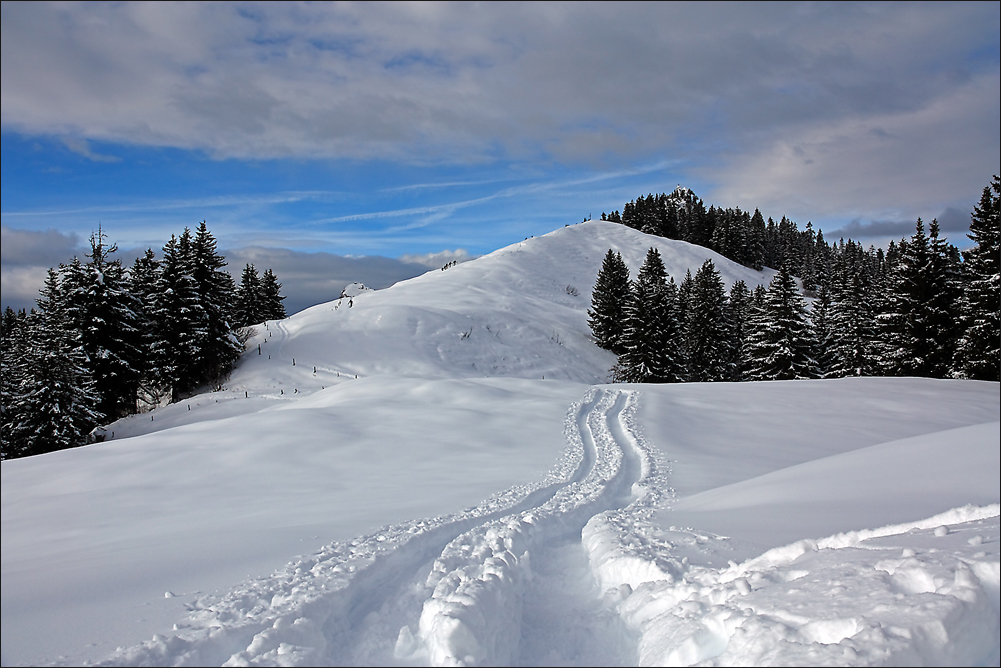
<point>353,290</point>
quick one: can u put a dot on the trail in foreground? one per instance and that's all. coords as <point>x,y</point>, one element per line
<point>575,571</point>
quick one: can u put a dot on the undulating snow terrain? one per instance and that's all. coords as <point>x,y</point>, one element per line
<point>440,473</point>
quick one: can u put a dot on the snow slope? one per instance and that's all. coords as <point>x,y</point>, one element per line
<point>463,487</point>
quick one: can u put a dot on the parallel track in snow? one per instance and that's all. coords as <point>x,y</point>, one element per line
<point>446,590</point>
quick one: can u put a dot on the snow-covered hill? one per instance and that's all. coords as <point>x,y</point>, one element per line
<point>438,473</point>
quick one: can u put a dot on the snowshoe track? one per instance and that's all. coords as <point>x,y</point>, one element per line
<point>443,590</point>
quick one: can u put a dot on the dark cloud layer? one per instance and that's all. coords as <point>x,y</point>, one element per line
<point>953,224</point>
<point>314,278</point>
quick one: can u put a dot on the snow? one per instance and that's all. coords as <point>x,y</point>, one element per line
<point>439,473</point>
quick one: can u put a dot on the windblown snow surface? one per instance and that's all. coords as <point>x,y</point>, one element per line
<point>463,486</point>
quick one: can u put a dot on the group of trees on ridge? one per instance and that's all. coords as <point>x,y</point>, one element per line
<point>106,341</point>
<point>920,309</point>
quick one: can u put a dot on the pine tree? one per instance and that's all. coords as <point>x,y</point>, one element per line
<point>978,355</point>
<point>52,408</point>
<point>271,290</point>
<point>249,299</point>
<point>103,311</point>
<point>707,328</point>
<point>219,348</point>
<point>180,320</point>
<point>821,316</point>
<point>851,343</point>
<point>782,346</point>
<point>916,321</point>
<point>650,336</point>
<point>611,293</point>
<point>144,282</point>
<point>13,347</point>
<point>739,307</point>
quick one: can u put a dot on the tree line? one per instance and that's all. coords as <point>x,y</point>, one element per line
<point>106,342</point>
<point>922,308</point>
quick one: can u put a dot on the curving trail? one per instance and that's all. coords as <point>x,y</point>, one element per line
<point>444,590</point>
<point>574,570</point>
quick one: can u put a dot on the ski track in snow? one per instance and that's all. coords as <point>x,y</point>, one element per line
<point>573,571</point>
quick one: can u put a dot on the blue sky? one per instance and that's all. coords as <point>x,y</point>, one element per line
<point>322,139</point>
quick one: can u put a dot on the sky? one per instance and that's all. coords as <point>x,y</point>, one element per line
<point>370,141</point>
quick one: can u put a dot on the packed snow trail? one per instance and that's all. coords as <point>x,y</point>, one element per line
<point>337,605</point>
<point>575,570</point>
<point>474,616</point>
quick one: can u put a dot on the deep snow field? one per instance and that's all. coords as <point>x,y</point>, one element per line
<point>439,473</point>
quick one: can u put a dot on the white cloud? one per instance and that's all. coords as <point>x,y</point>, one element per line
<point>439,259</point>
<point>82,147</point>
<point>891,166</point>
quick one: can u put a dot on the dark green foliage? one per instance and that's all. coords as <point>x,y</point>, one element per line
<point>219,349</point>
<point>782,345</point>
<point>271,289</point>
<point>650,350</point>
<point>103,310</point>
<point>611,293</point>
<point>978,354</point>
<point>739,307</point>
<point>52,407</point>
<point>850,344</point>
<point>707,328</point>
<point>917,320</point>
<point>250,308</point>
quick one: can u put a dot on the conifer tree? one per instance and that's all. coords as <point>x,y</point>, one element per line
<point>273,298</point>
<point>821,316</point>
<point>915,323</point>
<point>218,348</point>
<point>180,320</point>
<point>707,328</point>
<point>101,308</point>
<point>249,298</point>
<point>611,293</point>
<point>52,408</point>
<point>978,354</point>
<point>649,339</point>
<point>851,344</point>
<point>143,282</point>
<point>782,346</point>
<point>739,307</point>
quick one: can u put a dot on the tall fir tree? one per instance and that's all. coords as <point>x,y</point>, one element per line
<point>739,307</point>
<point>273,298</point>
<point>103,310</point>
<point>978,354</point>
<point>782,346</point>
<point>609,298</point>
<point>851,345</point>
<point>821,316</point>
<point>53,406</point>
<point>144,282</point>
<point>707,328</point>
<point>219,348</point>
<point>650,339</point>
<point>250,308</point>
<point>915,322</point>
<point>180,320</point>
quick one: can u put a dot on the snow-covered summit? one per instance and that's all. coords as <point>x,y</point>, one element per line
<point>520,311</point>
<point>353,290</point>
